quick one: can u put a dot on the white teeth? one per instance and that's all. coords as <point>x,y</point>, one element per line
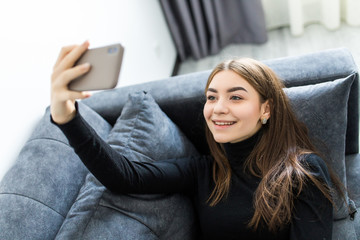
<point>224,123</point>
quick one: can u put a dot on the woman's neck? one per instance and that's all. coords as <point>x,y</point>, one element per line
<point>238,152</point>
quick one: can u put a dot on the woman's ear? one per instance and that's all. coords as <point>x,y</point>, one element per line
<point>265,109</point>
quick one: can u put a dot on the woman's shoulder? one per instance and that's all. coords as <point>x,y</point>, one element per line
<point>316,166</point>
<point>314,160</point>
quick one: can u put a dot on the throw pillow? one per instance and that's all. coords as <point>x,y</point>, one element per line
<point>323,108</point>
<point>142,133</point>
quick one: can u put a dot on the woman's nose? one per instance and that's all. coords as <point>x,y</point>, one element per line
<point>221,107</point>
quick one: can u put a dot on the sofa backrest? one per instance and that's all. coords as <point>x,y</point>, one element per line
<point>322,67</point>
<point>182,97</point>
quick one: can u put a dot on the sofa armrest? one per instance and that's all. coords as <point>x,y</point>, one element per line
<point>38,191</point>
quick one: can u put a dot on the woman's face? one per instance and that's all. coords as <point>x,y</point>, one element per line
<point>233,110</point>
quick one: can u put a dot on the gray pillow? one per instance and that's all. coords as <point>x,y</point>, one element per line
<point>142,133</point>
<point>323,108</point>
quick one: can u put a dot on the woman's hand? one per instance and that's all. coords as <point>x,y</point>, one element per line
<point>62,104</point>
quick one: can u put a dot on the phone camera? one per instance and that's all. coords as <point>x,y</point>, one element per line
<point>112,50</point>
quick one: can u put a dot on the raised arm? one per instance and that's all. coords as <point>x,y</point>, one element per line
<point>111,168</point>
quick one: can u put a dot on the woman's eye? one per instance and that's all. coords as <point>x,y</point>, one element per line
<point>210,98</point>
<point>235,98</point>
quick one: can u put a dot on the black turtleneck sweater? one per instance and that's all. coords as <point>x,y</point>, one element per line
<point>312,217</point>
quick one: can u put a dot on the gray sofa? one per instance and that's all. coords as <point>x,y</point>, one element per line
<point>49,194</point>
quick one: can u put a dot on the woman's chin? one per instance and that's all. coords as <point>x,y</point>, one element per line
<point>221,140</point>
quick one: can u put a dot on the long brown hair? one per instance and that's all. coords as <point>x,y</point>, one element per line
<point>277,157</point>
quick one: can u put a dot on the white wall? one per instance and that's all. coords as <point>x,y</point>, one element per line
<point>32,33</point>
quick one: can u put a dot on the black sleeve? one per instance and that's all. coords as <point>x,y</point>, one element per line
<point>313,212</point>
<point>118,173</point>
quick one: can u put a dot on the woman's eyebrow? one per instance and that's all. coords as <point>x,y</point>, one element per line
<point>212,90</point>
<point>234,89</point>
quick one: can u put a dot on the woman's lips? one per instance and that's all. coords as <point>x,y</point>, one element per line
<point>223,124</point>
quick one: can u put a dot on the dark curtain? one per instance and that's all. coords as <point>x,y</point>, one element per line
<point>202,27</point>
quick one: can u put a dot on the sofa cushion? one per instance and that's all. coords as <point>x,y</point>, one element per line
<point>323,108</point>
<point>142,133</point>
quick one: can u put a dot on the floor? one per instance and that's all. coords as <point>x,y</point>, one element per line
<point>281,44</point>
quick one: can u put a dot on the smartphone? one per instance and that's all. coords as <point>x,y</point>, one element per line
<point>105,68</point>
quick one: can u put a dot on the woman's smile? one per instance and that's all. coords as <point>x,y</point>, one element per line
<point>221,124</point>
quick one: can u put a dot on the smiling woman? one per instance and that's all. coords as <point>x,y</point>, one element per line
<point>264,178</point>
<point>242,95</point>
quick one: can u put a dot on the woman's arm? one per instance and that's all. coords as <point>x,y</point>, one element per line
<point>313,212</point>
<point>119,174</point>
<point>111,168</point>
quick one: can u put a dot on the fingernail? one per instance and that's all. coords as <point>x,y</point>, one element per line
<point>86,42</point>
<point>87,94</point>
<point>85,66</point>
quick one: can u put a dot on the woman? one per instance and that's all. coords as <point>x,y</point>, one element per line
<point>264,179</point>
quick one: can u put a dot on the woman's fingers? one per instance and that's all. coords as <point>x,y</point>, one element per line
<point>64,51</point>
<point>64,96</point>
<point>71,57</point>
<point>65,77</point>
<point>60,89</point>
<point>73,95</point>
